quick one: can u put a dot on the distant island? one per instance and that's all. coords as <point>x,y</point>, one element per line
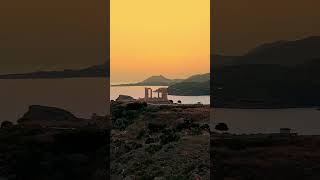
<point>93,71</point>
<point>196,85</point>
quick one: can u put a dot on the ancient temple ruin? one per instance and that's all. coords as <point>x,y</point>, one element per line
<point>161,97</point>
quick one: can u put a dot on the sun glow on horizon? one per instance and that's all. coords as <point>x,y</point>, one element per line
<point>147,38</point>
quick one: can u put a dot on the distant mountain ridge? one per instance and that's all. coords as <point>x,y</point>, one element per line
<point>157,79</point>
<point>285,53</point>
<point>93,71</point>
<point>163,81</point>
<point>196,85</point>
<point>198,78</point>
<point>153,81</point>
<point>188,88</point>
<point>278,74</point>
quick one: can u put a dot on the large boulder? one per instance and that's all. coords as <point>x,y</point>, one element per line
<point>125,98</point>
<point>6,124</point>
<point>40,113</point>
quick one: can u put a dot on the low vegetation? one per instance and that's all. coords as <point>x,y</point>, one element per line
<point>38,154</point>
<point>160,142</point>
<point>255,157</point>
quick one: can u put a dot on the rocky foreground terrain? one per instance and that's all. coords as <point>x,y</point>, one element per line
<point>159,142</point>
<point>148,142</point>
<point>265,157</point>
<point>52,144</point>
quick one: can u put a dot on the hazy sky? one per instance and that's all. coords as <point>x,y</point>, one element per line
<point>167,37</point>
<point>147,37</point>
<point>59,34</point>
<point>239,25</point>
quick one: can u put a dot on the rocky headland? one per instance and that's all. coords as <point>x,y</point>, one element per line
<point>50,143</point>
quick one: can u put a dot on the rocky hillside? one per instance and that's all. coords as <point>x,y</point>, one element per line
<point>196,85</point>
<point>159,142</point>
<point>190,89</point>
<point>56,145</point>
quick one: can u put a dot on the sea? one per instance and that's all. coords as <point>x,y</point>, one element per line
<point>304,121</point>
<point>85,96</point>
<point>80,96</point>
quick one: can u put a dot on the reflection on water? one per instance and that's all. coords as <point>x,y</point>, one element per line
<point>303,121</point>
<point>81,96</point>
<point>138,92</point>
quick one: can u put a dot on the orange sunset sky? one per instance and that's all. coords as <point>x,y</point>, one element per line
<point>153,37</point>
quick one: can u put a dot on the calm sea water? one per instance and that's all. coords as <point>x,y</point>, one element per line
<point>85,96</point>
<point>81,96</point>
<point>303,121</point>
<point>138,92</point>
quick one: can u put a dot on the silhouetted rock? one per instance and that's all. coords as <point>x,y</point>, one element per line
<point>125,98</point>
<point>6,124</point>
<point>45,113</point>
<point>222,127</point>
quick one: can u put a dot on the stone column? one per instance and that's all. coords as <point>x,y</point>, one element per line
<point>146,93</point>
<point>165,95</point>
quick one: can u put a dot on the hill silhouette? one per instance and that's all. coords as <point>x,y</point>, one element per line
<point>157,79</point>
<point>153,81</point>
<point>279,74</point>
<point>93,71</point>
<point>198,78</point>
<point>196,85</point>
<point>186,88</point>
<point>285,53</point>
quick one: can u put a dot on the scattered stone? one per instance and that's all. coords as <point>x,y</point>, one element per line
<point>222,127</point>
<point>6,124</point>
